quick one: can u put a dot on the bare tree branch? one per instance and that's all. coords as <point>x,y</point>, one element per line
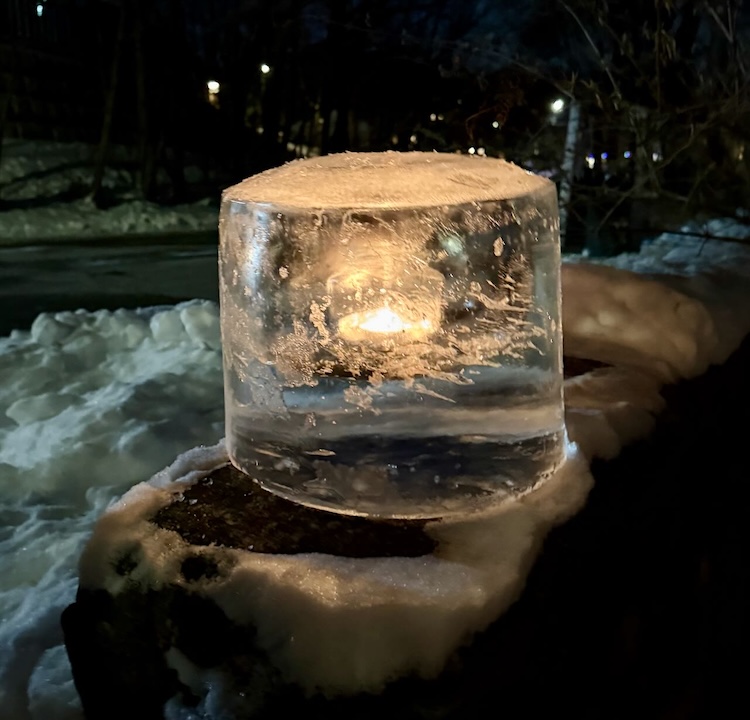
<point>603,63</point>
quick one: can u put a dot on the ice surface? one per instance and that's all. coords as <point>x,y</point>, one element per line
<point>385,180</point>
<point>140,403</point>
<point>52,693</point>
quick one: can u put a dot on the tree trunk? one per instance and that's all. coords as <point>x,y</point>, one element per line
<point>568,166</point>
<point>334,126</point>
<point>109,109</point>
<point>4,109</point>
<point>5,106</point>
<point>143,177</point>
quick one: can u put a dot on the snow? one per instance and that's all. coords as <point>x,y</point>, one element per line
<point>93,403</point>
<point>636,320</point>
<point>33,170</point>
<point>82,219</point>
<point>394,615</point>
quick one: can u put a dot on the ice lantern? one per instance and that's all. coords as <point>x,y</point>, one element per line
<point>391,332</point>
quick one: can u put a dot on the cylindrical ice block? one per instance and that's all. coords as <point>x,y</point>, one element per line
<point>391,332</point>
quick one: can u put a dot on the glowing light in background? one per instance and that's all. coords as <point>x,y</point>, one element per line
<point>213,88</point>
<point>265,69</point>
<point>590,161</point>
<point>557,106</point>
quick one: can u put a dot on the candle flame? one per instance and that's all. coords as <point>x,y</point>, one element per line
<point>382,321</point>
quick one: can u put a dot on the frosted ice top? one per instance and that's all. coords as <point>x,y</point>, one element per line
<point>387,180</point>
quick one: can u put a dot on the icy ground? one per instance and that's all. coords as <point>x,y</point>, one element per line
<point>46,171</point>
<point>91,403</point>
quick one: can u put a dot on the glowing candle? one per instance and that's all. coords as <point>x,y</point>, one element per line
<point>404,307</point>
<point>381,324</point>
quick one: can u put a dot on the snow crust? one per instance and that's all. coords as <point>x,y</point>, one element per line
<point>91,403</point>
<point>388,180</point>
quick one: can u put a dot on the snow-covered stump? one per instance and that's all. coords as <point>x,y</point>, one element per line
<point>199,589</point>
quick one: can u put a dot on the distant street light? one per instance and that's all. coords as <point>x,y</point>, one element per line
<point>213,88</point>
<point>557,106</point>
<point>265,69</point>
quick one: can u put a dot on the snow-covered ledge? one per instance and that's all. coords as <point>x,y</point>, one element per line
<point>342,625</point>
<point>332,623</point>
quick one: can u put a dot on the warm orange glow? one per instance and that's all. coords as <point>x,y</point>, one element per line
<point>381,322</point>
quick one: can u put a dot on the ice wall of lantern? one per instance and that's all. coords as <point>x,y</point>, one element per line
<point>391,332</point>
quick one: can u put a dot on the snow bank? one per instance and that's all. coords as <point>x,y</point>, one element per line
<point>28,160</point>
<point>81,382</point>
<point>81,219</point>
<point>36,170</point>
<point>635,321</point>
<point>660,315</point>
<point>716,273</point>
<point>90,403</point>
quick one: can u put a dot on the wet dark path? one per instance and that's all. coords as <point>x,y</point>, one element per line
<point>99,275</point>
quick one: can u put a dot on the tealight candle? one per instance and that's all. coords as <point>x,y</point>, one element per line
<point>400,308</point>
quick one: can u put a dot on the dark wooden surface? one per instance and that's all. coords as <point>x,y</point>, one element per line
<point>227,508</point>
